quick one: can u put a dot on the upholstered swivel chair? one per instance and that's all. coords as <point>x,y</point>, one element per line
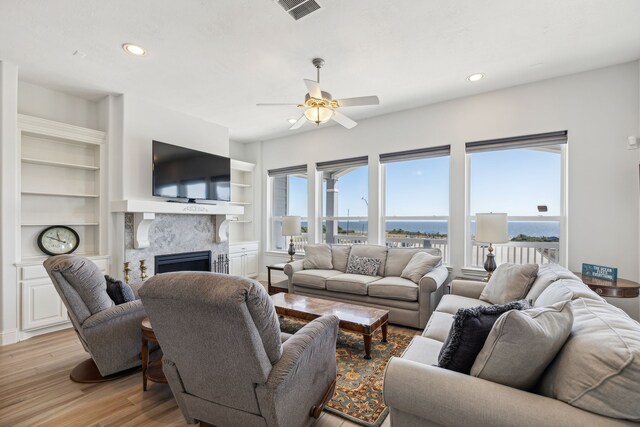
<point>109,333</point>
<point>224,357</point>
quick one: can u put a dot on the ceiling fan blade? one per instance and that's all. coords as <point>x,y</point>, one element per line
<point>314,88</point>
<point>359,101</point>
<point>276,105</point>
<point>297,125</point>
<point>343,120</point>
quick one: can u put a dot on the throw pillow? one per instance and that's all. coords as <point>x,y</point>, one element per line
<point>522,344</point>
<point>510,282</point>
<point>467,335</point>
<point>363,265</point>
<point>317,257</point>
<point>420,264</point>
<point>119,291</point>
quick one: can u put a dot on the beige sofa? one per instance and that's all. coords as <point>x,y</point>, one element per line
<point>409,304</point>
<point>599,366</point>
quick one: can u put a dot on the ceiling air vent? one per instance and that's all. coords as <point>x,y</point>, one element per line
<point>299,8</point>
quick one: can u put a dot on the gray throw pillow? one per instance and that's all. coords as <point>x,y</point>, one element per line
<point>467,335</point>
<point>420,264</point>
<point>510,282</point>
<point>363,265</point>
<point>119,291</point>
<point>317,257</point>
<point>522,344</point>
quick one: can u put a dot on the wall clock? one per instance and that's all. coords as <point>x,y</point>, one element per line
<point>58,240</point>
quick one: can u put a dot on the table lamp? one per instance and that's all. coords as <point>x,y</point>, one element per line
<point>291,227</point>
<point>491,228</point>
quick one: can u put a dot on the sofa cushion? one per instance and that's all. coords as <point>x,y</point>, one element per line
<point>510,282</point>
<point>420,264</point>
<point>313,278</point>
<point>422,350</point>
<point>438,326</point>
<point>394,288</point>
<point>598,369</point>
<point>469,330</point>
<point>451,303</point>
<point>522,344</point>
<point>350,283</point>
<point>371,251</point>
<point>363,265</point>
<point>547,274</point>
<point>563,290</point>
<point>398,258</point>
<point>340,257</point>
<point>317,257</point>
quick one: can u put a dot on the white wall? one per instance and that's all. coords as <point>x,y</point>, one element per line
<point>49,104</point>
<point>599,108</point>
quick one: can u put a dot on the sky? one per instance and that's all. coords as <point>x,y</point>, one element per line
<point>511,181</point>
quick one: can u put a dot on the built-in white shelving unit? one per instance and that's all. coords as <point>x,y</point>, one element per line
<point>243,247</point>
<point>60,183</point>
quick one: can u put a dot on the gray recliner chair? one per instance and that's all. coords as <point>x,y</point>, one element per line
<point>109,333</point>
<point>224,357</point>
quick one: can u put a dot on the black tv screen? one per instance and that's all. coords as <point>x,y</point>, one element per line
<point>180,172</point>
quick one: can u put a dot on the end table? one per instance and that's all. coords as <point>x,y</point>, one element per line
<point>278,267</point>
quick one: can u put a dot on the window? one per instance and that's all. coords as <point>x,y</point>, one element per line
<point>416,208</point>
<point>523,177</point>
<point>288,197</point>
<point>345,201</point>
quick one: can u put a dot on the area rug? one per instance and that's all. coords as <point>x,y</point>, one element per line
<point>358,395</point>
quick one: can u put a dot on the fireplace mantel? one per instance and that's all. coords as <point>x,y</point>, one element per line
<point>144,213</point>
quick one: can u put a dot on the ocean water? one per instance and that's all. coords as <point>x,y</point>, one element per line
<point>529,228</point>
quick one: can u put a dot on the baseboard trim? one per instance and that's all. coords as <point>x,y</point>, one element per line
<point>8,337</point>
<point>25,335</point>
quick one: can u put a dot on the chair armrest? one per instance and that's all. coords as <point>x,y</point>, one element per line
<point>467,288</point>
<point>431,281</point>
<point>443,397</point>
<point>291,268</point>
<point>303,374</point>
<point>131,309</point>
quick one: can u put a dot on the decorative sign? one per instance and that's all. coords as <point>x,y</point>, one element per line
<point>600,272</point>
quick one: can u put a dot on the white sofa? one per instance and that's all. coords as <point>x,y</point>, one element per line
<point>409,304</point>
<point>421,394</point>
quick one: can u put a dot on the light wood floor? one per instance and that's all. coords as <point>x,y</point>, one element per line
<point>35,390</point>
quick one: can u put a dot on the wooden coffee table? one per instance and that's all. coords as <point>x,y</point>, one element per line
<point>355,318</point>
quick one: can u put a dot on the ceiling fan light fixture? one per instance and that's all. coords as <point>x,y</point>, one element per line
<point>318,114</point>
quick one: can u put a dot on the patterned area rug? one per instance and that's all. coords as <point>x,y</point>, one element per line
<point>358,395</point>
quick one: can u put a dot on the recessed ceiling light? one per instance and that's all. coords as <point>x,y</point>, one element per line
<point>475,77</point>
<point>134,49</point>
<point>292,121</point>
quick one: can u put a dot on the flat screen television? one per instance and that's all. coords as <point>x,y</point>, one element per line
<point>184,173</point>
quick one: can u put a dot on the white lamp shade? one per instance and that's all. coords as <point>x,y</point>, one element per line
<point>491,228</point>
<point>291,226</point>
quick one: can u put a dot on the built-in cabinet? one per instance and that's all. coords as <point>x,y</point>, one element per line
<point>243,259</point>
<point>60,183</point>
<point>243,247</point>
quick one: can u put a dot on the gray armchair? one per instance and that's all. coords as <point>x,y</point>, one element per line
<point>109,333</point>
<point>224,357</point>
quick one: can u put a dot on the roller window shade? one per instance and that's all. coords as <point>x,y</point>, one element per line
<point>342,164</point>
<point>292,170</point>
<point>420,153</point>
<point>525,141</point>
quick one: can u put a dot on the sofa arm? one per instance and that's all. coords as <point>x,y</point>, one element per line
<point>291,268</point>
<point>467,288</point>
<point>430,291</point>
<point>448,398</point>
<point>303,374</point>
<point>128,310</point>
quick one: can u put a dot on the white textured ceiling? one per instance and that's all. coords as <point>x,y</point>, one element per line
<point>216,59</point>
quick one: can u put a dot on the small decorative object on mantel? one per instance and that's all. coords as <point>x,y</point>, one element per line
<point>599,272</point>
<point>126,270</point>
<point>58,240</point>
<point>491,228</point>
<point>291,226</point>
<point>143,270</point>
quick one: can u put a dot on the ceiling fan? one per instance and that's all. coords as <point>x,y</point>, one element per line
<point>320,107</point>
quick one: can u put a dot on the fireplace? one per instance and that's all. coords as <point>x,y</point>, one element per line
<point>188,261</point>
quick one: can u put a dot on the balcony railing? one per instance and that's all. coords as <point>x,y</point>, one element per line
<point>513,252</point>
